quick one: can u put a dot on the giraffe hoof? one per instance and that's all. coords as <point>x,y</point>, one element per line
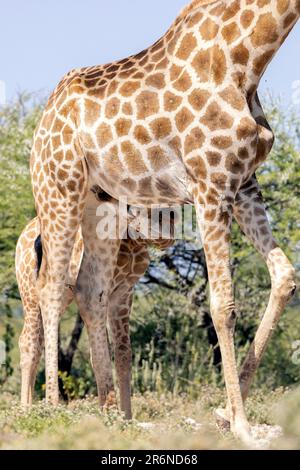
<point>241,431</point>
<point>222,419</point>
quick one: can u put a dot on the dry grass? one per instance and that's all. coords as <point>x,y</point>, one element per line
<point>160,422</point>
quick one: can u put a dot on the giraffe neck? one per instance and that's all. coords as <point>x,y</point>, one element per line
<point>274,20</point>
<point>239,37</point>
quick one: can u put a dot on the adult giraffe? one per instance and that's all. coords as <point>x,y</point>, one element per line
<point>179,122</point>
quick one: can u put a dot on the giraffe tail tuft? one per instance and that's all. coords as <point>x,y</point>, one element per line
<point>38,248</point>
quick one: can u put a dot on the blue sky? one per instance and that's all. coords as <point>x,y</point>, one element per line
<point>42,39</point>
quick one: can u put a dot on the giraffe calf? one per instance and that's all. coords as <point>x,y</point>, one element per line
<point>133,260</point>
<point>28,261</point>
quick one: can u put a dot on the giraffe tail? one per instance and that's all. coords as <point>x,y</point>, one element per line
<point>38,248</point>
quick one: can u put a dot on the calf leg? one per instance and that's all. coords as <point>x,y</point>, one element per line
<point>133,261</point>
<point>31,344</point>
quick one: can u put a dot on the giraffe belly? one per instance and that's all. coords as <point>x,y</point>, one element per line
<point>167,186</point>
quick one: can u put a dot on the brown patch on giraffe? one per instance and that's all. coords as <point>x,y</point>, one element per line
<point>291,18</point>
<point>112,108</point>
<point>210,214</point>
<point>197,168</point>
<point>123,126</point>
<point>246,129</point>
<point>112,164</point>
<point>208,29</point>
<point>239,79</point>
<point>216,118</point>
<point>222,142</point>
<point>158,45</point>
<point>231,10</point>
<point>231,32</point>
<point>127,74</point>
<point>246,18</point>
<point>183,83</point>
<point>57,126</point>
<point>261,62</point>
<point>138,75</point>
<point>142,135</point>
<point>112,88</point>
<point>210,63</point>
<point>156,80</point>
<point>127,109</point>
<point>219,179</point>
<point>282,6</point>
<point>198,98</point>
<point>194,140</point>
<point>145,187</point>
<point>233,97</point>
<point>161,127</point>
<point>175,145</point>
<point>240,55</point>
<point>69,109</point>
<point>157,157</point>
<point>72,186</point>
<point>175,71</point>
<point>183,119</point>
<point>104,135</point>
<point>129,184</point>
<point>194,19</point>
<point>233,165</point>
<point>129,88</point>
<point>171,101</point>
<point>217,10</point>
<point>58,156</point>
<point>67,135</point>
<point>213,158</point>
<point>165,187</point>
<point>163,64</point>
<point>147,104</point>
<point>186,47</point>
<point>265,31</point>
<point>243,153</point>
<point>133,158</point>
<point>172,44</point>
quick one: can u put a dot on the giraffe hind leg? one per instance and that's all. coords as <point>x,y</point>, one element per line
<point>250,213</point>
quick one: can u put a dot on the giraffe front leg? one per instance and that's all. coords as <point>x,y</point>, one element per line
<point>52,296</point>
<point>60,217</point>
<point>214,218</point>
<point>250,213</point>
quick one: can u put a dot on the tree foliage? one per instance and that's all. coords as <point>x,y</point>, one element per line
<point>174,343</point>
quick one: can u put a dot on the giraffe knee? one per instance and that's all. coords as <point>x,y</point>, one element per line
<point>224,315</point>
<point>286,283</point>
<point>283,274</point>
